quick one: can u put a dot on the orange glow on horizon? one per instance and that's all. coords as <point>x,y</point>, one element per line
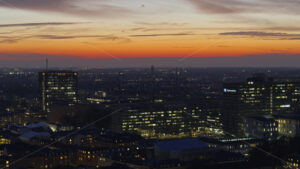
<point>166,48</point>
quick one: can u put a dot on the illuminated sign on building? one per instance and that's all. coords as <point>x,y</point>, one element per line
<point>229,90</point>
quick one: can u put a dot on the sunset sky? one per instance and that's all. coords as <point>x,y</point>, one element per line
<point>118,29</point>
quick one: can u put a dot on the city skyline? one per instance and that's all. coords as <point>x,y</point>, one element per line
<point>139,84</point>
<point>105,33</point>
<point>150,118</point>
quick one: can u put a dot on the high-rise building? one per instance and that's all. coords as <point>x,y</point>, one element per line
<point>57,88</point>
<point>244,99</point>
<point>284,95</point>
<point>259,95</point>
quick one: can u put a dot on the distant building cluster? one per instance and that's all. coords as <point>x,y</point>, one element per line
<point>258,96</point>
<point>166,118</point>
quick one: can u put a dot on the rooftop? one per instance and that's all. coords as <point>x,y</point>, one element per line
<point>183,144</point>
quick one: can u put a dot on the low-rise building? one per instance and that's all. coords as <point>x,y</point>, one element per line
<point>288,124</point>
<point>261,127</point>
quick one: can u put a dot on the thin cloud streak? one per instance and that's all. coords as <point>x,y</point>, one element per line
<point>161,24</point>
<point>159,35</point>
<point>38,24</point>
<point>7,41</point>
<point>221,6</point>
<point>254,33</point>
<point>15,39</point>
<point>105,37</point>
<point>278,35</point>
<point>246,6</point>
<point>90,8</point>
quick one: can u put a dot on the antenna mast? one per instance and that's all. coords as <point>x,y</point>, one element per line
<point>46,63</point>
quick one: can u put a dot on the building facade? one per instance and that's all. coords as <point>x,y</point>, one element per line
<point>261,127</point>
<point>58,88</point>
<point>288,124</point>
<point>164,122</point>
<point>259,95</point>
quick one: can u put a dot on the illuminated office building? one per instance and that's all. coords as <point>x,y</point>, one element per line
<point>284,95</point>
<point>288,125</point>
<point>164,122</point>
<point>258,96</point>
<point>242,99</point>
<point>150,124</point>
<point>157,123</point>
<point>57,88</point>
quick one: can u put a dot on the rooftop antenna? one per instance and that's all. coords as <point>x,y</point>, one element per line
<point>46,63</point>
